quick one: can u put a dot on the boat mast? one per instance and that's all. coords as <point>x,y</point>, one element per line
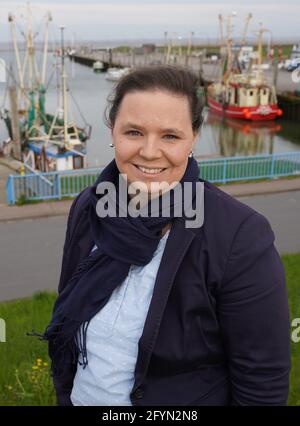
<point>221,30</point>
<point>64,89</point>
<point>43,77</point>
<point>228,67</point>
<point>11,21</point>
<point>248,18</point>
<point>30,49</point>
<point>260,75</point>
<point>229,42</point>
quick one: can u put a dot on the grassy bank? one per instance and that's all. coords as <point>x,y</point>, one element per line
<point>24,376</point>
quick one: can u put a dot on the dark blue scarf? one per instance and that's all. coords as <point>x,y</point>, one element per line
<point>121,242</point>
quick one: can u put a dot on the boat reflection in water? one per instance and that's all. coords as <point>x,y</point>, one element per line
<point>238,137</point>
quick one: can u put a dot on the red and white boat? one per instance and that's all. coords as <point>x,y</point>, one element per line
<point>247,100</point>
<point>246,96</point>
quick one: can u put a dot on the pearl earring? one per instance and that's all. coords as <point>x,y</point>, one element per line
<point>191,154</point>
<point>111,145</point>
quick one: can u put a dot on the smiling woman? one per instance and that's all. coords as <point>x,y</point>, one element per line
<point>150,311</point>
<point>154,121</point>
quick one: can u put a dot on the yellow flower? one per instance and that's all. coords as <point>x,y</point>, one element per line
<point>39,360</point>
<point>45,364</point>
<point>35,367</point>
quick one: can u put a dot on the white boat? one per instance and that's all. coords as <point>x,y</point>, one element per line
<point>114,74</point>
<point>98,66</point>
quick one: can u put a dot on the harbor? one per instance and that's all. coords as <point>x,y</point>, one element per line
<point>210,69</point>
<point>53,140</point>
<point>58,70</point>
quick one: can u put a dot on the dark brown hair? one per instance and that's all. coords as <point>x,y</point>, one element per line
<point>171,78</point>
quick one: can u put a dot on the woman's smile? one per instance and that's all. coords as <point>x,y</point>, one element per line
<point>148,172</point>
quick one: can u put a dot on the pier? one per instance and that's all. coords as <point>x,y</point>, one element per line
<point>209,69</point>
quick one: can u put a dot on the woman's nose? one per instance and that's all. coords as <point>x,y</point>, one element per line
<point>150,148</point>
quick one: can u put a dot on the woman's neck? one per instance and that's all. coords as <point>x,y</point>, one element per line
<point>165,229</point>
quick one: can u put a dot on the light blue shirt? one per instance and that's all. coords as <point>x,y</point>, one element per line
<point>112,338</point>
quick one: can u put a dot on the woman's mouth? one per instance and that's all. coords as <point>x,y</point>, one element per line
<point>149,171</point>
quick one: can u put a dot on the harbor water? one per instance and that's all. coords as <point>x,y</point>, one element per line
<point>218,137</point>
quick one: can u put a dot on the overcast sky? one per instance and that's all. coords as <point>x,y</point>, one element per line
<point>121,19</point>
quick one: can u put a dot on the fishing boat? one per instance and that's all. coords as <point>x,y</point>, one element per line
<point>243,95</point>
<point>61,144</point>
<point>47,142</point>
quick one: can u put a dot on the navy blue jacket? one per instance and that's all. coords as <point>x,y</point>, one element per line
<point>217,330</point>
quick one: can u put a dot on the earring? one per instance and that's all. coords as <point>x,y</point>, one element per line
<point>111,145</point>
<point>191,154</point>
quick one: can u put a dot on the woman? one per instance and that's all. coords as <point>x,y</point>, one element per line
<point>154,312</point>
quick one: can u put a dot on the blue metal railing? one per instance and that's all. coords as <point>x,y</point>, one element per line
<point>56,185</point>
<point>268,166</point>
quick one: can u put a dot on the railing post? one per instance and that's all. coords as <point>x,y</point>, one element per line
<point>224,170</point>
<point>10,190</point>
<point>272,167</point>
<point>58,186</point>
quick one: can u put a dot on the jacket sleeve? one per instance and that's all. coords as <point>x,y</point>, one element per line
<point>63,385</point>
<point>254,317</point>
<point>68,236</point>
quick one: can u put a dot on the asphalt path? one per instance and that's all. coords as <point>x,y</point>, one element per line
<point>31,249</point>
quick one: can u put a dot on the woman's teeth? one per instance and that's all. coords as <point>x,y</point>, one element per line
<point>150,171</point>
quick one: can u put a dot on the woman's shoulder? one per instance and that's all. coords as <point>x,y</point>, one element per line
<point>225,218</point>
<point>220,205</point>
<point>78,205</point>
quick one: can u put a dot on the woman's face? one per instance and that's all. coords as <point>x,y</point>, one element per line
<point>153,137</point>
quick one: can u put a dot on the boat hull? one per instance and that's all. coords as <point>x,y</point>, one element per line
<point>260,113</point>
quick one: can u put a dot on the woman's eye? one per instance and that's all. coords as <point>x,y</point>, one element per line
<point>171,136</point>
<point>133,132</point>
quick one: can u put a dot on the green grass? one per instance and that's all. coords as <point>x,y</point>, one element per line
<point>292,270</point>
<point>26,381</point>
<point>20,384</point>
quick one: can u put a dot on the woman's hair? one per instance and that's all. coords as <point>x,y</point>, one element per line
<point>174,79</point>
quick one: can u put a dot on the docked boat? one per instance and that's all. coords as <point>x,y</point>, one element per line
<point>98,66</point>
<point>294,61</point>
<point>114,74</point>
<point>46,142</point>
<point>60,144</point>
<point>243,95</point>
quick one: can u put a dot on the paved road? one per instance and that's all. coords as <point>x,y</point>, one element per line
<point>30,255</point>
<point>283,212</point>
<point>31,250</point>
